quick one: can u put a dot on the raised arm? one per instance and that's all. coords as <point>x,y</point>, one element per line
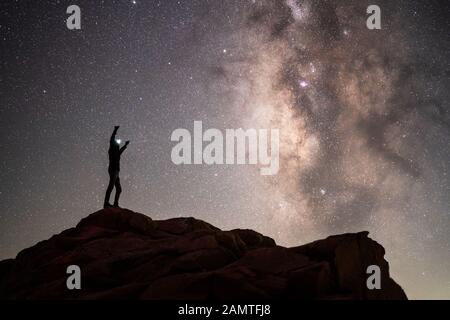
<point>113,136</point>
<point>124,147</point>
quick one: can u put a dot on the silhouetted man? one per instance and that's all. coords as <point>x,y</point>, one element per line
<point>114,167</point>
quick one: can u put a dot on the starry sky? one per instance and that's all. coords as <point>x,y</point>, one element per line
<point>363,116</point>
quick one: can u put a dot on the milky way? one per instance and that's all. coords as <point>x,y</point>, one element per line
<point>357,125</point>
<point>363,117</point>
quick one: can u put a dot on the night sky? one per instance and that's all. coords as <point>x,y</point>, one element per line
<point>363,116</point>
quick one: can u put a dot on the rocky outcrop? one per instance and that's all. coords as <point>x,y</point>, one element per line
<point>127,255</point>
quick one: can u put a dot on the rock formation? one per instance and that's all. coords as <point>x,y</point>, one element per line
<point>127,255</point>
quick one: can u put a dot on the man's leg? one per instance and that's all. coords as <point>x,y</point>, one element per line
<point>118,192</point>
<point>112,178</point>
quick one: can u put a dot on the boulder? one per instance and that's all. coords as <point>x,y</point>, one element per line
<point>127,255</point>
